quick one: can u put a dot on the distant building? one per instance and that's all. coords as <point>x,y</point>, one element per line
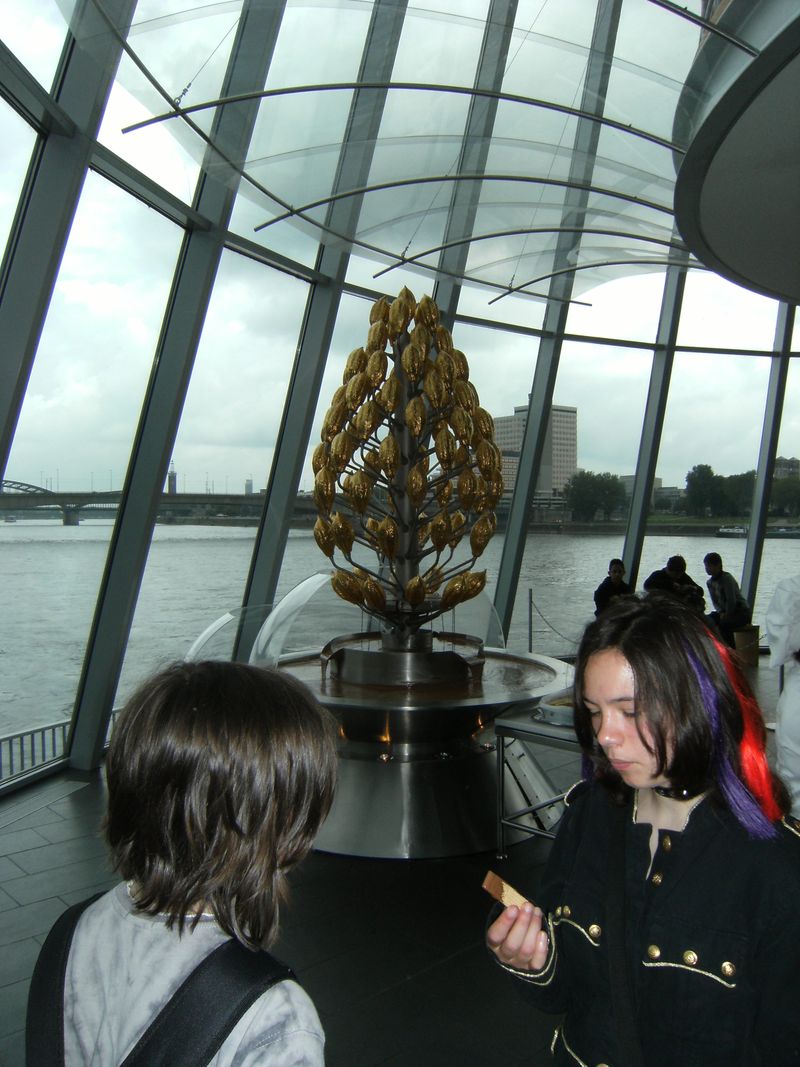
<point>560,456</point>
<point>172,480</point>
<point>248,487</point>
<point>628,479</point>
<point>787,468</point>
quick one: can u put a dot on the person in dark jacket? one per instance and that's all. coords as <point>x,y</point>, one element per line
<point>677,785</point>
<point>611,587</point>
<point>731,610</point>
<point>674,580</point>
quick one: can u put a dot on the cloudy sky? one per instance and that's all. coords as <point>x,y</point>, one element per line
<point>96,351</point>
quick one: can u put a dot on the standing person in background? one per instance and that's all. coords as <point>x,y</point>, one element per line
<point>782,624</point>
<point>219,776</point>
<point>731,610</point>
<point>666,923</point>
<point>611,587</point>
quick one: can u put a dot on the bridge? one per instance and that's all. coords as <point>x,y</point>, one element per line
<point>19,497</point>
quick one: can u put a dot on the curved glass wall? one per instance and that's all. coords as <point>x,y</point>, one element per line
<point>517,160</point>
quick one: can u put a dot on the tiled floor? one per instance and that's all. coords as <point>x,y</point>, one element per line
<point>391,951</point>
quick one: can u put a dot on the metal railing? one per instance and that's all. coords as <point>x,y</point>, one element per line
<point>29,749</point>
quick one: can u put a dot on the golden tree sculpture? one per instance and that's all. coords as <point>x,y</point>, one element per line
<point>408,468</point>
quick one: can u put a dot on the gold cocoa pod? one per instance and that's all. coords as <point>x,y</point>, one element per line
<point>488,458</point>
<point>372,461</point>
<point>453,592</point>
<point>423,532</point>
<point>324,488</point>
<point>440,530</point>
<point>379,312</point>
<point>387,534</point>
<point>388,395</point>
<point>354,364</point>
<point>377,337</point>
<point>415,415</point>
<point>408,299</point>
<point>467,487</point>
<point>399,316</point>
<point>333,421</point>
<point>323,535</point>
<point>460,363</point>
<point>339,395</point>
<point>358,490</point>
<point>434,388</point>
<point>421,337</point>
<point>444,340</point>
<point>412,362</point>
<point>481,535</point>
<point>375,370</point>
<point>484,423</point>
<point>374,596</point>
<point>368,419</point>
<point>461,458</point>
<point>461,424</point>
<point>342,448</point>
<point>371,527</point>
<point>494,489</point>
<point>389,452</point>
<point>457,520</point>
<point>416,485</point>
<point>463,395</point>
<point>427,312</point>
<point>319,457</point>
<point>347,586</point>
<point>474,583</point>
<point>356,390</point>
<point>446,370</point>
<point>342,532</point>
<point>433,579</point>
<point>414,592</point>
<point>445,446</point>
<point>444,492</point>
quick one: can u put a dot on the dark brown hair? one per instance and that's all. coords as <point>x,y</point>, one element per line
<point>219,777</point>
<point>665,644</point>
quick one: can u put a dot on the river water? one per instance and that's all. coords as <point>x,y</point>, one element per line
<point>50,575</point>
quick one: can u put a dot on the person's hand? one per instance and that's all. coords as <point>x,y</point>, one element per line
<point>517,939</point>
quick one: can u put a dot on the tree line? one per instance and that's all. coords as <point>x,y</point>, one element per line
<point>707,495</point>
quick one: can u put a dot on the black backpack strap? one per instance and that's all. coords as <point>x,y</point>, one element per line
<point>190,1029</point>
<point>44,1023</point>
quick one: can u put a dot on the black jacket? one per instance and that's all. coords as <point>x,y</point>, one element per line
<point>712,940</point>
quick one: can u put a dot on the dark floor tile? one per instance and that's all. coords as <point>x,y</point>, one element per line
<point>9,868</point>
<point>17,960</point>
<point>66,879</point>
<point>16,840</point>
<point>29,920</point>
<point>12,1049</point>
<point>68,830</point>
<point>12,1007</point>
<point>51,856</point>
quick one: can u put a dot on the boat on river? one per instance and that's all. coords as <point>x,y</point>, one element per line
<point>732,531</point>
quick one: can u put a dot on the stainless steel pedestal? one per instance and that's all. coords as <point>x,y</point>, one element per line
<point>417,764</point>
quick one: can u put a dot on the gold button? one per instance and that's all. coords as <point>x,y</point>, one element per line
<point>558,912</point>
<point>728,969</point>
<point>657,878</point>
<point>594,932</point>
<point>566,911</point>
<point>602,1065</point>
<point>690,957</point>
<point>654,952</point>
<point>666,842</point>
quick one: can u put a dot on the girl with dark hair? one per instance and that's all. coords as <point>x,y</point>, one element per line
<point>219,776</point>
<point>667,925</point>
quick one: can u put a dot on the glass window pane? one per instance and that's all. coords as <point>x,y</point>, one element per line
<point>35,34</point>
<point>18,140</point>
<point>564,562</point>
<point>198,561</point>
<point>718,314</point>
<point>74,437</point>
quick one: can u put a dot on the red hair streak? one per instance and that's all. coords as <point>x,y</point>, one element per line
<point>752,748</point>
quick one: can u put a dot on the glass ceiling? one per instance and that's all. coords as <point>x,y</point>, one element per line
<point>489,142</point>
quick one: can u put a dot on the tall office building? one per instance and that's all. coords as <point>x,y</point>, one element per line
<point>560,458</point>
